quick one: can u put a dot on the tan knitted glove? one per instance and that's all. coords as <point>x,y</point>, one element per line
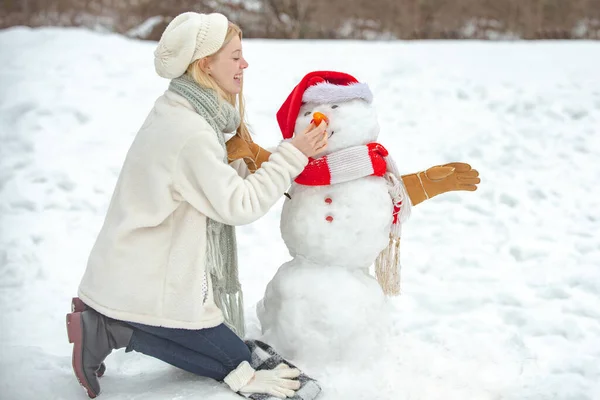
<point>440,179</point>
<point>253,154</point>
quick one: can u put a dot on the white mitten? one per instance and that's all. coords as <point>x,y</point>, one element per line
<point>277,382</point>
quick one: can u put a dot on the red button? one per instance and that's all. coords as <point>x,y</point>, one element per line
<point>328,200</point>
<point>329,218</point>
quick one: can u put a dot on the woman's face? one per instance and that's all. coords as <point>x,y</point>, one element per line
<point>227,67</point>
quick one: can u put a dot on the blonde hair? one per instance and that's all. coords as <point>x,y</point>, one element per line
<point>204,79</point>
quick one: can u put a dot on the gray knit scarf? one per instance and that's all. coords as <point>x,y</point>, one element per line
<point>221,253</point>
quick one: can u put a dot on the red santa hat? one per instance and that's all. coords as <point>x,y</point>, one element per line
<point>320,87</point>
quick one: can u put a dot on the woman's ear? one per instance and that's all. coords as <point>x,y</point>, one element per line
<point>204,64</point>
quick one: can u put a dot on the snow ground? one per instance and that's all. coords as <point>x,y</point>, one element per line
<point>501,286</point>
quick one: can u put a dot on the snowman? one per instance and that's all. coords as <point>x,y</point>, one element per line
<point>342,216</point>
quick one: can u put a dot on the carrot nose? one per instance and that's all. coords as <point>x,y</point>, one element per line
<point>318,117</point>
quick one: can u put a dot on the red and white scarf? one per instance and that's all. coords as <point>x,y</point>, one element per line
<point>357,162</point>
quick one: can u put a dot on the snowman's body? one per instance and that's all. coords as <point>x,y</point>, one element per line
<point>347,224</point>
<point>324,304</point>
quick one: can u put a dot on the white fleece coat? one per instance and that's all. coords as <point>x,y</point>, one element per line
<point>148,262</point>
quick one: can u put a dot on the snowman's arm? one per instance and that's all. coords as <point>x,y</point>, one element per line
<point>415,191</point>
<point>440,179</point>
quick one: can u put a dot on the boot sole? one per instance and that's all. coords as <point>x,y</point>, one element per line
<point>74,331</point>
<point>77,305</point>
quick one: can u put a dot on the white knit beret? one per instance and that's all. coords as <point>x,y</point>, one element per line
<point>188,37</point>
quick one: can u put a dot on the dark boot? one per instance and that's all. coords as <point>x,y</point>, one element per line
<point>77,305</point>
<point>94,337</point>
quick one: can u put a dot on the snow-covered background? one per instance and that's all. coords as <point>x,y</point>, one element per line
<point>501,286</point>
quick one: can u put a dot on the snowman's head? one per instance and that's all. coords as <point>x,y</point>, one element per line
<point>351,122</point>
<point>342,98</point>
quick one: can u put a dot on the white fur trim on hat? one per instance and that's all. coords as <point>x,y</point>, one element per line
<point>325,92</point>
<point>188,37</point>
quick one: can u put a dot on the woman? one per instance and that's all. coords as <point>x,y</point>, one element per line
<point>162,276</point>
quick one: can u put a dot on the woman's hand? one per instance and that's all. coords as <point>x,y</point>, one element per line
<point>313,140</point>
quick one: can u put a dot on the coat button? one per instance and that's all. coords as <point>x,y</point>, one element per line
<point>328,200</point>
<point>329,218</point>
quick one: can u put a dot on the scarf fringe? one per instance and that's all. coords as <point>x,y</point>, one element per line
<point>227,291</point>
<point>232,306</point>
<point>387,267</point>
<point>387,264</point>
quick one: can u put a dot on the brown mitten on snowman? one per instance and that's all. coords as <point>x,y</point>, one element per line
<point>440,179</point>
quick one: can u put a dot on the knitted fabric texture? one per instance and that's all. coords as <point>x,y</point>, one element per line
<point>344,165</point>
<point>387,264</point>
<point>221,253</point>
<point>188,37</point>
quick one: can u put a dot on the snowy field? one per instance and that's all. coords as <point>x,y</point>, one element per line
<point>501,287</point>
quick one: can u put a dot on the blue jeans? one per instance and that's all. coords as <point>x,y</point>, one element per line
<point>211,352</point>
